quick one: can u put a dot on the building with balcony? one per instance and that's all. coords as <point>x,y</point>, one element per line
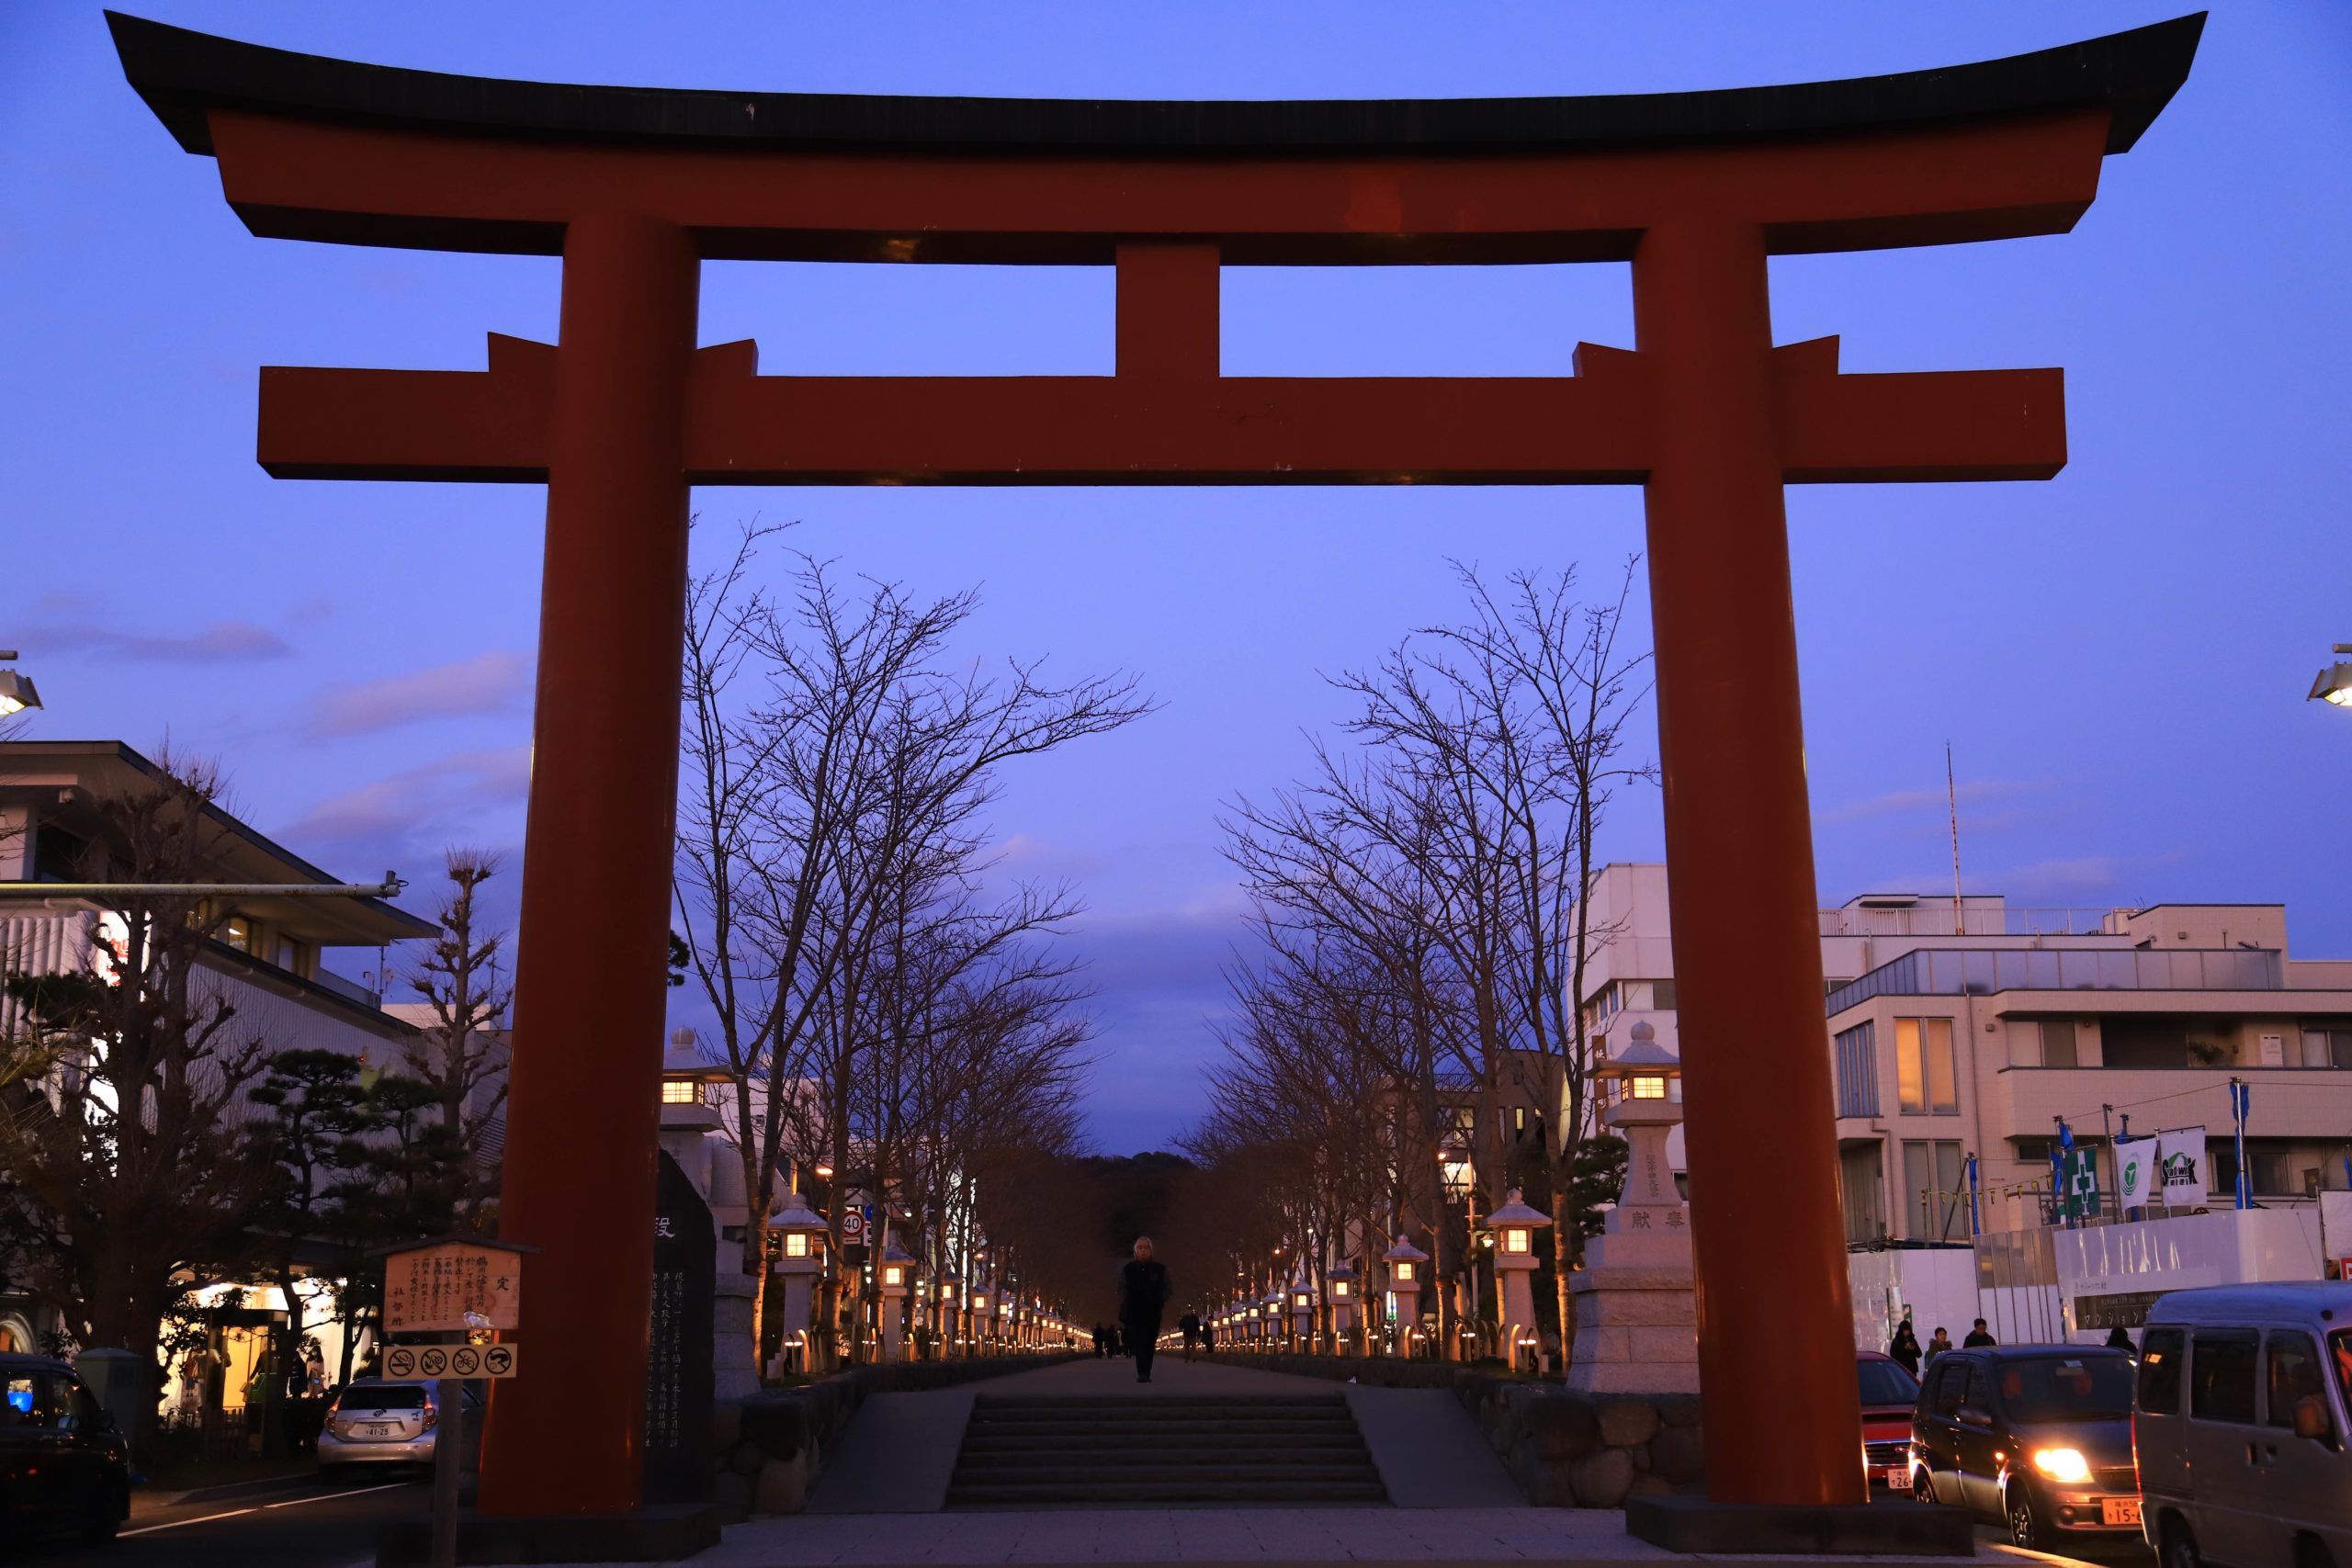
<point>1966,1026</point>
<point>270,957</point>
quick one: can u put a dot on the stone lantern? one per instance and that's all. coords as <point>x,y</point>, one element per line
<point>1277,1306</point>
<point>897,1270</point>
<point>1342,1276</point>
<point>1636,1318</point>
<point>1302,1312</point>
<point>951,1313</point>
<point>800,1234</point>
<point>1406,1263</point>
<point>1516,1225</point>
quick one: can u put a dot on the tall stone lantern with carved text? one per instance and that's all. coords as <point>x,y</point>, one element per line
<point>1636,1316</point>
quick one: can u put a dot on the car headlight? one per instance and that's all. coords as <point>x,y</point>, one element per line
<point>2065,1465</point>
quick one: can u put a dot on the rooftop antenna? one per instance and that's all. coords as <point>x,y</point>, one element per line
<point>1951,798</point>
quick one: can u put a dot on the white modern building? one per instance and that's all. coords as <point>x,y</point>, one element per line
<point>1960,1027</point>
<point>275,957</point>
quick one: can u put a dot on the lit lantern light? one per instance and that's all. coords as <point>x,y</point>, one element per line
<point>2333,685</point>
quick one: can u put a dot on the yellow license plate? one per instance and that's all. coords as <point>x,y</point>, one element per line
<point>2119,1510</point>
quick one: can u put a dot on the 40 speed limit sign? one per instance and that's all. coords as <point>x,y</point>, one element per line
<point>404,1361</point>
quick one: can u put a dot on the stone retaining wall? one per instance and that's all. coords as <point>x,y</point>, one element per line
<point>1564,1450</point>
<point>767,1450</point>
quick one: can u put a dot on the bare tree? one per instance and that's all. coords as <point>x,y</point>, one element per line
<point>839,765</point>
<point>461,1057</point>
<point>1453,853</point>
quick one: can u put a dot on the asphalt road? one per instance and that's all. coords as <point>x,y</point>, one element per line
<point>312,1526</point>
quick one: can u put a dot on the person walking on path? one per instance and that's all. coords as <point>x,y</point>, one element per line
<point>1906,1348</point>
<point>1143,1296</point>
<point>1977,1336</point>
<point>1189,1326</point>
<point>1101,1343</point>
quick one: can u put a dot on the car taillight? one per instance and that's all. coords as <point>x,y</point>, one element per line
<point>431,1415</point>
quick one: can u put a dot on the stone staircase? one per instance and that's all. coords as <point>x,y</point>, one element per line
<point>1109,1451</point>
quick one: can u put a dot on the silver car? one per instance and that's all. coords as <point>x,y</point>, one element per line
<point>379,1423</point>
<point>2240,1426</point>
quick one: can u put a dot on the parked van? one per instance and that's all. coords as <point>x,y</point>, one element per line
<point>2241,1425</point>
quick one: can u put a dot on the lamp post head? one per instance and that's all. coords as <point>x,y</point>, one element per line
<point>2333,684</point>
<point>16,692</point>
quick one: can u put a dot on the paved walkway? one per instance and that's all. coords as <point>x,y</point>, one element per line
<point>1342,1538</point>
<point>898,1452</point>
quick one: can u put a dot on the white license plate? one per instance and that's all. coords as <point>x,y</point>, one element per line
<point>376,1429</point>
<point>1899,1477</point>
<point>2119,1510</point>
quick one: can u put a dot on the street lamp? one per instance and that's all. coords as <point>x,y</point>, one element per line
<point>16,692</point>
<point>2333,684</point>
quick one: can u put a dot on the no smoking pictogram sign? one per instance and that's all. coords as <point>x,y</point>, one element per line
<point>403,1362</point>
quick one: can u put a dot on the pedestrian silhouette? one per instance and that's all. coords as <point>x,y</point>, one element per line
<point>1189,1326</point>
<point>1143,1296</point>
<point>1905,1347</point>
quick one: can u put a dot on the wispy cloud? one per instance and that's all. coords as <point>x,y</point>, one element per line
<point>223,642</point>
<point>490,682</point>
<point>393,810</point>
<point>1906,802</point>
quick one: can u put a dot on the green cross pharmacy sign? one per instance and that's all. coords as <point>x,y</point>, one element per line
<point>2082,1185</point>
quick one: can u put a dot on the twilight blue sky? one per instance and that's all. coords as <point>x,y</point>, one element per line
<point>2119,656</point>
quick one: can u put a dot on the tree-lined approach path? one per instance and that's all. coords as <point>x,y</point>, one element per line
<point>1205,1433</point>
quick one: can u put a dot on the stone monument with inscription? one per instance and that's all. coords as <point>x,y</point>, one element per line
<point>1638,1320</point>
<point>678,1367</point>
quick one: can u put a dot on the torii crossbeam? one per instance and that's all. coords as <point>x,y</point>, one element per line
<point>634,189</point>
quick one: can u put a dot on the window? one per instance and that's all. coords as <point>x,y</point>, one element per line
<point>1932,1180</point>
<point>2290,1372</point>
<point>1857,1060</point>
<point>1979,1389</point>
<point>1951,1387</point>
<point>679,1091</point>
<point>2058,1043</point>
<point>1662,996</point>
<point>1515,1241</point>
<point>238,932</point>
<point>2220,1377</point>
<point>1648,1088</point>
<point>2160,1371</point>
<point>2041,1388</point>
<point>1927,1079</point>
<point>1886,1382</point>
<point>796,1243</point>
<point>1402,1273</point>
<point>2328,1047</point>
<point>79,1411</point>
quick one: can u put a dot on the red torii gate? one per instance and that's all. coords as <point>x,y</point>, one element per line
<point>634,188</point>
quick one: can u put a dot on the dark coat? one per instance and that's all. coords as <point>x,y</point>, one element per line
<point>1143,1291</point>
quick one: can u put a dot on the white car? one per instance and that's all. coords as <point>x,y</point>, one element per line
<point>379,1423</point>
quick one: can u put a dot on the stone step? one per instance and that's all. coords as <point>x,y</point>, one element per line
<point>1098,1495</point>
<point>1115,1450</point>
<point>1095,1429</point>
<point>1059,1474</point>
<point>977,1458</point>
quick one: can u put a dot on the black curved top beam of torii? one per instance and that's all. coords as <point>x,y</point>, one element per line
<point>183,73</point>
